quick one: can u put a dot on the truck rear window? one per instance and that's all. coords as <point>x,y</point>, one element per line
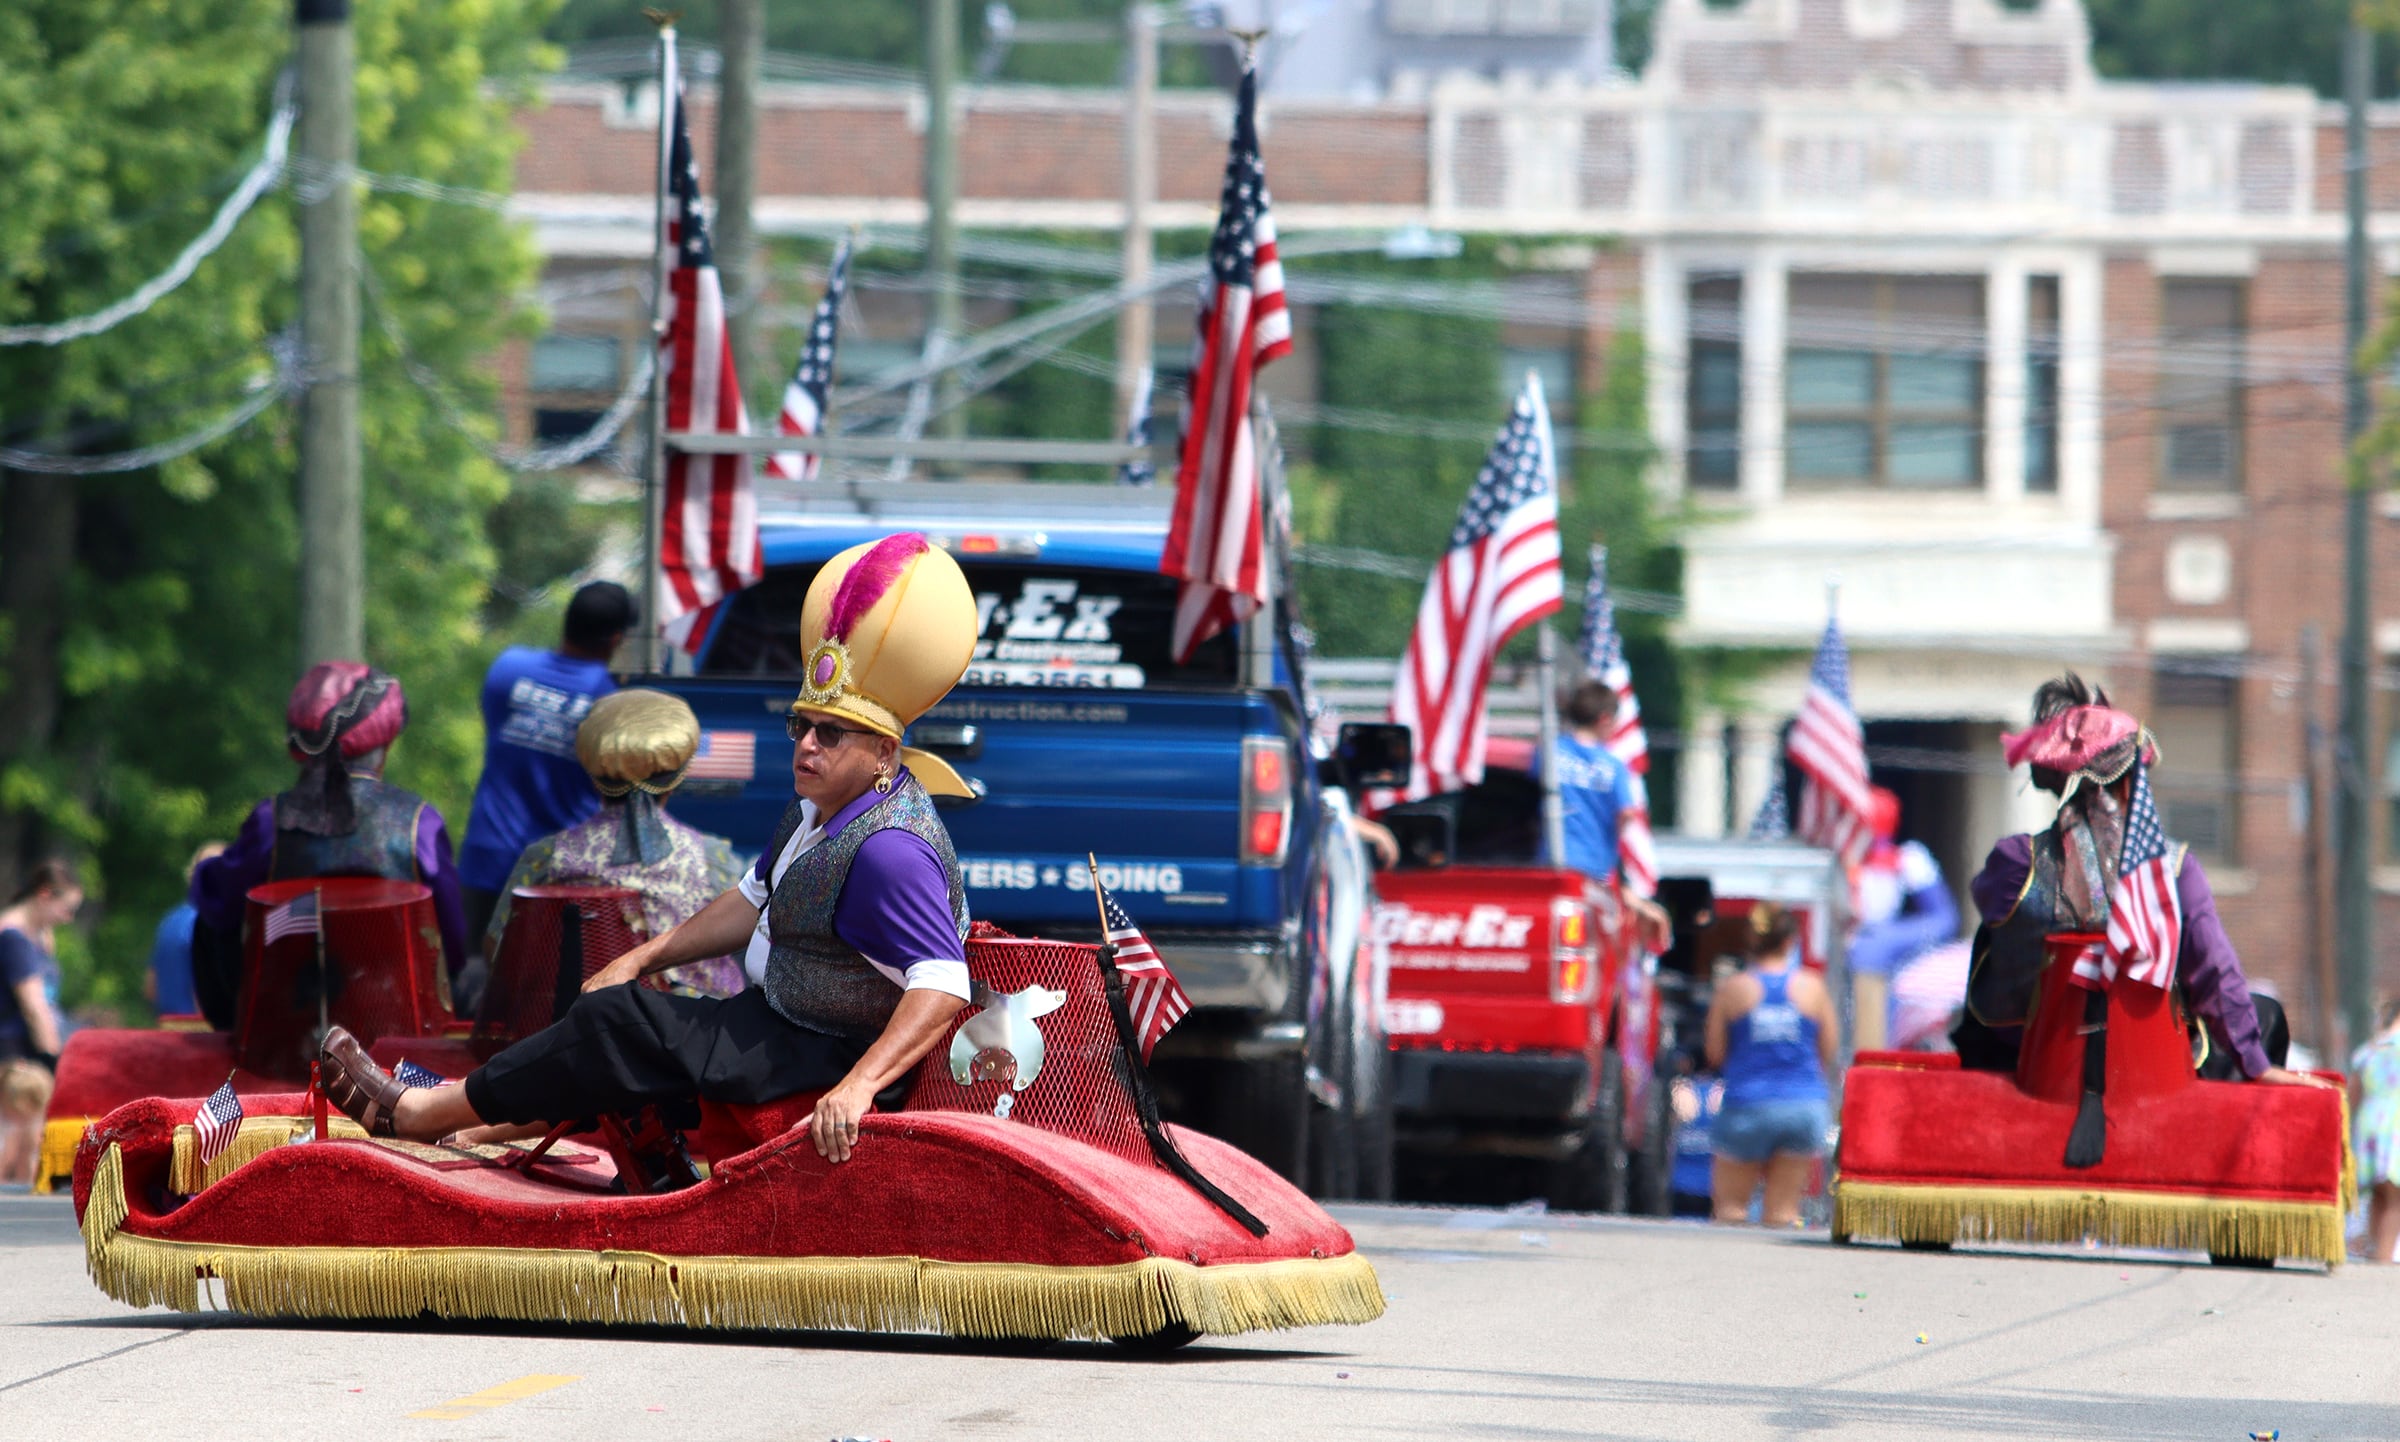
<point>1071,627</point>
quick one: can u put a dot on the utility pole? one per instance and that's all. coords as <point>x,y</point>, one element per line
<point>1141,188</point>
<point>942,319</point>
<point>2321,987</point>
<point>741,35</point>
<point>333,621</point>
<point>2354,893</point>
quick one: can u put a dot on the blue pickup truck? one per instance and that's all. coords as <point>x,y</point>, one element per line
<point>1197,788</point>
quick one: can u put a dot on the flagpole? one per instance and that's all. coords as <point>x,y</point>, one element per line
<point>654,475</point>
<point>1554,810</point>
<point>1098,904</point>
<point>324,984</point>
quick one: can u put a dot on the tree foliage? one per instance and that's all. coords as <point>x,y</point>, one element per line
<point>122,123</point>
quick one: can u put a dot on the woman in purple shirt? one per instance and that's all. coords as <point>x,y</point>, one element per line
<point>853,925</point>
<point>340,818</point>
<point>2056,880</point>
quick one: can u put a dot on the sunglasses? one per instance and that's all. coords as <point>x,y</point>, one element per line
<point>829,734</point>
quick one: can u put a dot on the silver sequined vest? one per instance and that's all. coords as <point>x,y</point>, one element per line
<point>814,978</point>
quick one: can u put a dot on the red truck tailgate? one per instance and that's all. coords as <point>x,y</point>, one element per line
<point>1477,960</point>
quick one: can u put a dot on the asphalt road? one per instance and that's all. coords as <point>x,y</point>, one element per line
<point>1501,1325</point>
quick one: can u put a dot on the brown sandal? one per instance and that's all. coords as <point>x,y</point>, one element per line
<point>365,1092</point>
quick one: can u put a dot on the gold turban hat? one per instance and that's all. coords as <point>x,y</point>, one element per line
<point>886,631</point>
<point>637,738</point>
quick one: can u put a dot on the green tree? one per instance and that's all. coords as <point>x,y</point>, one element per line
<point>142,709</point>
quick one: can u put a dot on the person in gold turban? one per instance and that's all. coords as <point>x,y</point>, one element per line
<point>853,925</point>
<point>636,745</point>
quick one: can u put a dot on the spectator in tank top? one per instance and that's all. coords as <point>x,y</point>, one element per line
<point>1773,1034</point>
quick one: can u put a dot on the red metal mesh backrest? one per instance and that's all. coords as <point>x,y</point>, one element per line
<point>1078,1091</point>
<point>596,923</point>
<point>383,971</point>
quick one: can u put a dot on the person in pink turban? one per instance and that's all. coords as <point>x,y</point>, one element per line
<point>340,818</point>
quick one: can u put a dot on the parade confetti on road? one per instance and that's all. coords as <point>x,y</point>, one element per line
<point>458,1409</point>
<point>1922,1339</point>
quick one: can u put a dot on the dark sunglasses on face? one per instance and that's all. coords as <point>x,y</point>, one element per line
<point>829,734</point>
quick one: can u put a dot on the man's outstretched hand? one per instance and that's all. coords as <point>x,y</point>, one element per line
<point>834,1125</point>
<point>2277,1076</point>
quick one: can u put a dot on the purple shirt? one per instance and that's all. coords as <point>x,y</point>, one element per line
<point>2206,964</point>
<point>221,885</point>
<point>894,907</point>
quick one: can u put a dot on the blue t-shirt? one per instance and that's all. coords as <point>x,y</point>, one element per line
<point>21,957</point>
<point>532,784</point>
<point>1594,787</point>
<point>1771,1049</point>
<point>171,962</point>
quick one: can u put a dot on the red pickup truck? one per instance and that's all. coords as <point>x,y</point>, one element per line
<point>1517,1027</point>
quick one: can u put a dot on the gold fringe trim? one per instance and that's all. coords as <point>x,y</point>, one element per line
<point>883,1294</point>
<point>257,1137</point>
<point>60,1137</point>
<point>2224,1226</point>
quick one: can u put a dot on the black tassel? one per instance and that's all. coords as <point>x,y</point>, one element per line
<point>2087,1144</point>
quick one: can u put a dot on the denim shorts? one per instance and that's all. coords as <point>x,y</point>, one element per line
<point>1755,1131</point>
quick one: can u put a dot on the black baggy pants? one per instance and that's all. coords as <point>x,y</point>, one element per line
<point>622,1047</point>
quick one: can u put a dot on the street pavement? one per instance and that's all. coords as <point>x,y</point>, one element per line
<point>1501,1325</point>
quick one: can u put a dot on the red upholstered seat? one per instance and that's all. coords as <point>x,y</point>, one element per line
<point>728,1129</point>
<point>2149,1053</point>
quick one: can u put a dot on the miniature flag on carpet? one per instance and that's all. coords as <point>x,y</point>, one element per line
<point>724,756</point>
<point>1829,746</point>
<point>296,917</point>
<point>805,395</point>
<point>1137,433</point>
<point>1151,991</point>
<point>214,1125</point>
<point>409,1074</point>
<point>1499,575</point>
<point>1216,543</point>
<point>2145,914</point>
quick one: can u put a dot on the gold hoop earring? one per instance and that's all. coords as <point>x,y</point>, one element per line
<point>883,780</point>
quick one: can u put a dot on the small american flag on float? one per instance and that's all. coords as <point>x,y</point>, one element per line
<point>724,756</point>
<point>217,1121</point>
<point>1152,994</point>
<point>2145,914</point>
<point>409,1074</point>
<point>296,917</point>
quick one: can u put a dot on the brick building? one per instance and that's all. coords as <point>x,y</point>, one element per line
<point>2042,370</point>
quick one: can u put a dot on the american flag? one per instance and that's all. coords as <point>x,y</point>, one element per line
<point>1137,433</point>
<point>708,519</point>
<point>409,1074</point>
<point>1216,542</point>
<point>1604,662</point>
<point>2145,914</point>
<point>217,1122</point>
<point>296,917</point>
<point>804,395</point>
<point>1151,991</point>
<point>1499,575</point>
<point>1829,747</point>
<point>1774,819</point>
<point>724,756</point>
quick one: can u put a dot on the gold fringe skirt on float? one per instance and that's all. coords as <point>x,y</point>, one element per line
<point>883,1294</point>
<point>2225,1226</point>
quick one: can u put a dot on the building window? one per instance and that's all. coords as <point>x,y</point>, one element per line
<point>1713,389</point>
<point>2195,716</point>
<point>1883,381</point>
<point>2041,383</point>
<point>574,363</point>
<point>2200,385</point>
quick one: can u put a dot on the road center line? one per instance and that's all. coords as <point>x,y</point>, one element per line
<point>460,1408</point>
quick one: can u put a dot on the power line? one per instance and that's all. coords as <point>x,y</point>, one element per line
<point>258,182</point>
<point>265,393</point>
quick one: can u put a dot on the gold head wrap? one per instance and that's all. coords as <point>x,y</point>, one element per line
<point>886,631</point>
<point>637,739</point>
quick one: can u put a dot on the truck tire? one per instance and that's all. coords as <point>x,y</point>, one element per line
<point>1592,1177</point>
<point>1264,1110</point>
<point>1650,1170</point>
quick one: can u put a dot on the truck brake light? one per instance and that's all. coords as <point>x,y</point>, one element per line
<point>1574,953</point>
<point>1266,801</point>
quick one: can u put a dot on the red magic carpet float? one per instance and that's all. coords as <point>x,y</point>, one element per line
<point>2102,1131</point>
<point>1025,1187</point>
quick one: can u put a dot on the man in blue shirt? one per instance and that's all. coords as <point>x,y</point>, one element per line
<point>532,785</point>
